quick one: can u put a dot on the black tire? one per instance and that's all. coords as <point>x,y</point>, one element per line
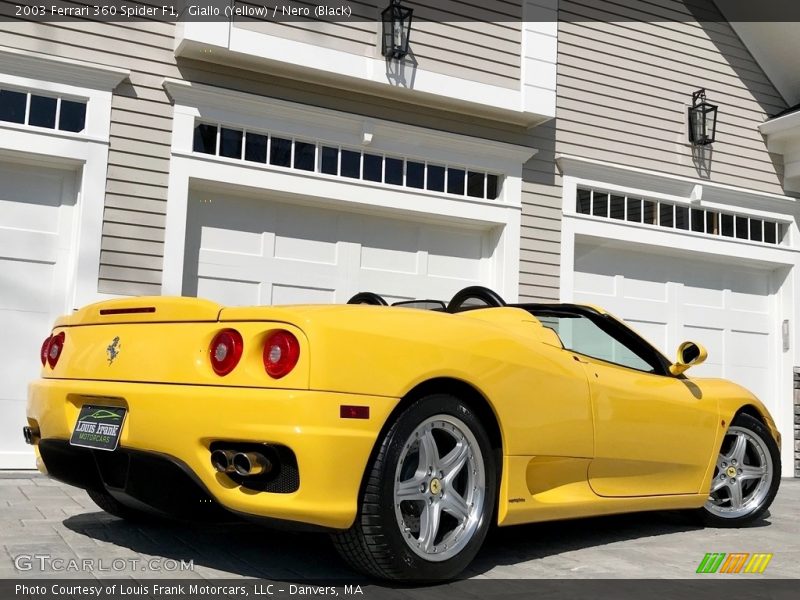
<point>375,545</point>
<point>114,507</point>
<point>761,492</point>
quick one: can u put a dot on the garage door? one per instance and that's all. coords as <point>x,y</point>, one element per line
<point>36,208</point>
<point>251,251</point>
<point>726,307</point>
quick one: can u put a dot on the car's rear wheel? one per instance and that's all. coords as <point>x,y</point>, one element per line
<point>746,476</point>
<point>428,497</point>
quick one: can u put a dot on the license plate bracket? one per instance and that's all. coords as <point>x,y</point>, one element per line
<point>98,427</point>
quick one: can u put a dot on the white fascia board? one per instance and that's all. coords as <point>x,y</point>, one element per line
<point>530,104</point>
<point>670,187</point>
<point>49,67</point>
<point>783,137</point>
<point>240,109</point>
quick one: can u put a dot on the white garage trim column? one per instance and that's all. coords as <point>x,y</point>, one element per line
<point>245,111</point>
<point>773,265</point>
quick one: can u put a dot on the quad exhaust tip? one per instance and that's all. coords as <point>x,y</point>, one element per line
<point>245,464</point>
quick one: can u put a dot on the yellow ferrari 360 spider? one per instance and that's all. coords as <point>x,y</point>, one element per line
<point>405,433</point>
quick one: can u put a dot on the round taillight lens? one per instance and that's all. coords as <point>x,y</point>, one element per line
<point>281,353</point>
<point>54,349</point>
<point>45,349</point>
<point>225,351</point>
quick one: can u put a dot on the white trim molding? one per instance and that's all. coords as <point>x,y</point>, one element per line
<point>532,103</point>
<point>85,152</point>
<point>783,137</point>
<point>195,102</point>
<point>782,260</point>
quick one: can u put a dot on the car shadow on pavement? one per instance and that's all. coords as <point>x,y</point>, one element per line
<point>246,549</point>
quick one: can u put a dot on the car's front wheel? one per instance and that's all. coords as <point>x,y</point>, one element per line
<point>746,476</point>
<point>428,497</point>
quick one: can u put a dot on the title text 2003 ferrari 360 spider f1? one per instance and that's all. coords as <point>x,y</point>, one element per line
<point>405,433</point>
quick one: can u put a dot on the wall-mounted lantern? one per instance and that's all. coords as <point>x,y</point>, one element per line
<point>702,120</point>
<point>396,29</point>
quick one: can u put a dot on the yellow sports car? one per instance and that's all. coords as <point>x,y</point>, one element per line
<point>405,433</point>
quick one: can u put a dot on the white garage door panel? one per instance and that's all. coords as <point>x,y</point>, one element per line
<point>727,308</point>
<point>36,208</point>
<point>254,251</point>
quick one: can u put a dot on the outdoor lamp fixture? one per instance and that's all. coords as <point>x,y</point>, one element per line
<point>702,120</point>
<point>396,29</point>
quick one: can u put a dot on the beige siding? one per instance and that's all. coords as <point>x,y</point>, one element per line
<point>487,51</point>
<point>133,229</point>
<point>624,85</point>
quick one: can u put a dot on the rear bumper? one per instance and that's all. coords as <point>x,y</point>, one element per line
<point>170,428</point>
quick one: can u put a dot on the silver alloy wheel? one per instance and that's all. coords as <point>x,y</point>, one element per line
<point>439,487</point>
<point>742,476</point>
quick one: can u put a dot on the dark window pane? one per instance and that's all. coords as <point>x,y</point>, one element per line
<point>351,164</point>
<point>372,167</point>
<point>712,223</point>
<point>698,220</point>
<point>12,106</point>
<point>617,207</point>
<point>682,217</point>
<point>741,228</point>
<point>600,204</point>
<point>770,232</point>
<point>330,160</point>
<point>415,175</point>
<point>492,187</point>
<point>475,183</point>
<point>304,156</point>
<point>280,152</point>
<point>635,210</point>
<point>727,225</point>
<point>230,143</point>
<point>756,226</point>
<point>255,148</point>
<point>72,116</point>
<point>455,181</point>
<point>666,216</point>
<point>205,139</point>
<point>649,212</point>
<point>394,171</point>
<point>42,112</point>
<point>435,178</point>
<point>584,202</point>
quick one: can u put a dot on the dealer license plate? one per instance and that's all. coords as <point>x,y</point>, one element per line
<point>98,427</point>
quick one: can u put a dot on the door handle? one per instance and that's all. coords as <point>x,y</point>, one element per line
<point>580,360</point>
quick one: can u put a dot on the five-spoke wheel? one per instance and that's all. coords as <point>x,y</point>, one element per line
<point>429,495</point>
<point>746,475</point>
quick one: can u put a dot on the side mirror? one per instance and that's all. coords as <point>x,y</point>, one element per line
<point>690,354</point>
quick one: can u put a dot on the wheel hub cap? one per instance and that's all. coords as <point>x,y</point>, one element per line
<point>731,471</point>
<point>435,486</point>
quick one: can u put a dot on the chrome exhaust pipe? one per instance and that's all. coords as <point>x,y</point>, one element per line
<point>248,464</point>
<point>222,461</point>
<point>30,434</point>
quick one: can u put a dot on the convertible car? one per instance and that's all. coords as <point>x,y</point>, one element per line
<point>404,431</point>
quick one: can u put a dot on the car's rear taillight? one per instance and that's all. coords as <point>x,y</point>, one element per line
<point>225,351</point>
<point>55,346</point>
<point>45,349</point>
<point>281,353</point>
